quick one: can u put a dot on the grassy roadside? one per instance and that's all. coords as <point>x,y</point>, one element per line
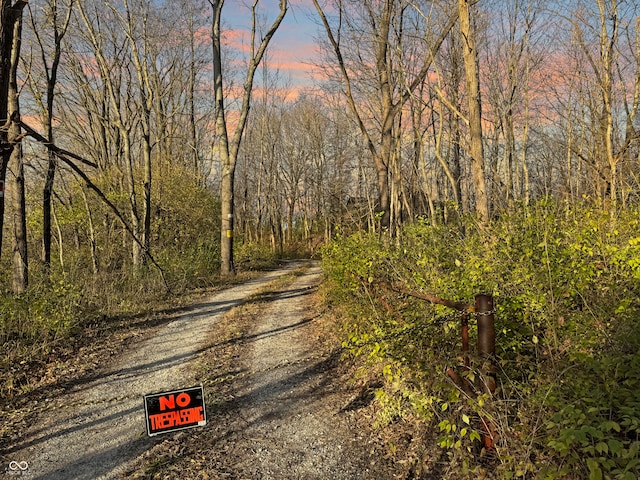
<point>566,283</point>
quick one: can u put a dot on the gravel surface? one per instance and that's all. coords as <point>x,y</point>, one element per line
<point>291,422</point>
<point>285,420</point>
<point>92,430</point>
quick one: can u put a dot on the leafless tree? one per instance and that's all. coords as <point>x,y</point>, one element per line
<point>374,33</point>
<point>52,19</point>
<point>229,143</point>
<point>470,55</point>
<point>9,14</point>
<point>20,278</point>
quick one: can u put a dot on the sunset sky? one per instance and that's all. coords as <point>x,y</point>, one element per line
<point>293,46</point>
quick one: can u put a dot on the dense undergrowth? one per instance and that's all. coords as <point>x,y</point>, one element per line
<point>566,281</point>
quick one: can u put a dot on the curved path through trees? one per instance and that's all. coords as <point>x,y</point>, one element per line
<point>280,424</point>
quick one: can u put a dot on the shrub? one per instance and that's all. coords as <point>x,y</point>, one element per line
<point>47,313</point>
<point>251,256</point>
<point>565,281</point>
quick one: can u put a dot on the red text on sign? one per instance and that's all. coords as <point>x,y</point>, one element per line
<point>176,418</point>
<point>169,402</point>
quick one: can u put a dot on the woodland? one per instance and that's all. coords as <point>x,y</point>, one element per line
<point>449,147</point>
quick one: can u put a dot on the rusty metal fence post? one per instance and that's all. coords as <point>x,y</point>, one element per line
<point>486,340</point>
<point>485,311</point>
<point>464,331</point>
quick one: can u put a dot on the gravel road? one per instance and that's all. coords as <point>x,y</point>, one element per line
<point>290,421</point>
<point>285,422</point>
<point>95,428</point>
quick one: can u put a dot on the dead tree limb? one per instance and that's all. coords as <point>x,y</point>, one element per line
<point>460,306</point>
<point>67,157</point>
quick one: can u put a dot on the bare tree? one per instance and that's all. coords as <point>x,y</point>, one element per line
<point>511,62</point>
<point>20,279</point>
<point>50,54</point>
<point>119,108</point>
<point>600,104</point>
<point>470,54</point>
<point>379,24</point>
<point>9,13</point>
<point>136,27</point>
<point>229,144</point>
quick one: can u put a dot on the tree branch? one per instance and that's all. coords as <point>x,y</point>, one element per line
<point>50,146</point>
<point>65,156</point>
<point>460,306</point>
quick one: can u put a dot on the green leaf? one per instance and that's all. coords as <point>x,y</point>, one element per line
<point>465,419</point>
<point>594,469</point>
<point>610,425</point>
<point>615,446</point>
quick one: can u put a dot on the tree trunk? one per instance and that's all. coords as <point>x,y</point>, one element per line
<point>51,72</point>
<point>8,15</point>
<point>228,148</point>
<point>47,194</point>
<point>95,264</point>
<point>227,265</point>
<point>607,44</point>
<point>475,111</point>
<point>20,279</point>
<point>146,104</point>
<point>193,137</point>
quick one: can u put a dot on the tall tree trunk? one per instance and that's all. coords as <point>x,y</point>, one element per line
<point>51,72</point>
<point>137,249</point>
<point>146,104</point>
<point>475,111</point>
<point>8,15</point>
<point>95,264</point>
<point>608,42</point>
<point>229,147</point>
<point>6,33</point>
<point>227,162</point>
<point>119,120</point>
<point>20,279</point>
<point>193,137</point>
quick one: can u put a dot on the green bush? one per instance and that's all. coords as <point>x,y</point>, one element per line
<point>566,283</point>
<point>43,314</point>
<point>252,255</point>
<point>185,242</point>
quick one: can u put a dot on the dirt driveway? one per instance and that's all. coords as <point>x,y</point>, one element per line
<point>276,406</point>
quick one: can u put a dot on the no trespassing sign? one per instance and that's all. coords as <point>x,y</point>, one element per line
<point>176,410</point>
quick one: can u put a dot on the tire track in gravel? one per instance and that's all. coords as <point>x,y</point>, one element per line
<point>292,423</point>
<point>105,428</point>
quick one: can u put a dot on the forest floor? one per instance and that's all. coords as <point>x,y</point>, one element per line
<point>280,404</point>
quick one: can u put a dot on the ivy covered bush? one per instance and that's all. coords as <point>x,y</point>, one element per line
<point>566,283</point>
